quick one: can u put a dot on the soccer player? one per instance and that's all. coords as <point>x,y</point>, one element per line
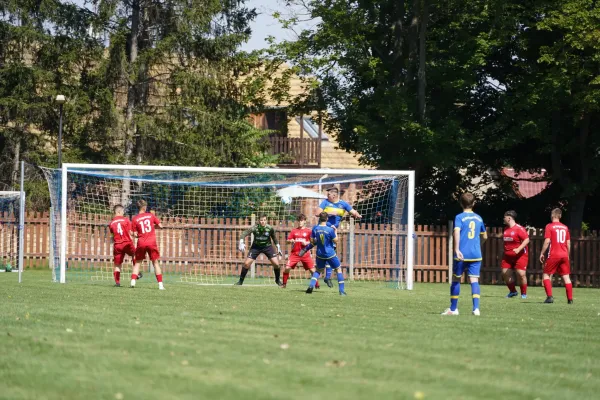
<point>144,226</point>
<point>298,238</point>
<point>324,237</point>
<point>335,209</point>
<point>558,238</point>
<point>264,234</point>
<point>120,228</point>
<point>469,235</point>
<point>515,255</point>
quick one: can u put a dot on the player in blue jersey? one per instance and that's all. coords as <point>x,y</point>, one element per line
<point>335,209</point>
<point>469,235</point>
<point>324,237</point>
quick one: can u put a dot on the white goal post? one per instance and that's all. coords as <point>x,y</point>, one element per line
<point>387,240</point>
<point>12,227</point>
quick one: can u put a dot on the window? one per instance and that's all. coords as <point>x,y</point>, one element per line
<point>311,128</point>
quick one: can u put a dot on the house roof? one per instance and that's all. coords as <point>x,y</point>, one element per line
<point>526,184</point>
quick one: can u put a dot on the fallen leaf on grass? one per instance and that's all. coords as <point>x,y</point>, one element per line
<point>335,363</point>
<point>284,346</point>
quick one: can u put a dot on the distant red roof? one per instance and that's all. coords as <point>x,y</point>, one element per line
<point>525,184</point>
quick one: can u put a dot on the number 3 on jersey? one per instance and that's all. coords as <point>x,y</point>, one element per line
<point>471,234</point>
<point>146,226</point>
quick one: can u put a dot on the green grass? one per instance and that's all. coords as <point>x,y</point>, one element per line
<point>99,342</point>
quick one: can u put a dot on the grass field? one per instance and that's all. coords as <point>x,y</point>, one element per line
<point>80,341</point>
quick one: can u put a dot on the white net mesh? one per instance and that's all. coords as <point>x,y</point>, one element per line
<point>204,213</point>
<point>9,231</point>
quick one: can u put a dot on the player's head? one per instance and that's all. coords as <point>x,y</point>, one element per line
<point>301,220</point>
<point>467,201</point>
<point>332,193</point>
<point>262,219</point>
<point>119,210</point>
<point>323,217</point>
<point>142,205</point>
<point>556,214</point>
<point>510,217</point>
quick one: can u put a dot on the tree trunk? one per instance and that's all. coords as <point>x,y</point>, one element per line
<point>14,176</point>
<point>132,45</point>
<point>422,53</point>
<point>576,209</point>
<point>413,37</point>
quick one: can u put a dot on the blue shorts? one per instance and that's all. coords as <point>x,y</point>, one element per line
<point>333,262</point>
<point>473,268</point>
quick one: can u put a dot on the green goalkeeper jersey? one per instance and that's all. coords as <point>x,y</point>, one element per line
<point>262,235</point>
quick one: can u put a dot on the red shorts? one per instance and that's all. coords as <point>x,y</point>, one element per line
<point>518,262</point>
<point>560,265</point>
<point>152,251</point>
<point>306,260</point>
<point>120,249</point>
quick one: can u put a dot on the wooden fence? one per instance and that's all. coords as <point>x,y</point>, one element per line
<point>378,250</point>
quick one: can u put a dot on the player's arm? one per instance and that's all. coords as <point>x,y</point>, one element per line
<point>524,241</point>
<point>483,235</point>
<point>275,241</point>
<point>457,251</point>
<point>544,248</point>
<point>247,232</point>
<point>569,248</point>
<point>308,247</point>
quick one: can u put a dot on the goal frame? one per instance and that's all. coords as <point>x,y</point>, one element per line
<point>21,227</point>
<point>67,167</point>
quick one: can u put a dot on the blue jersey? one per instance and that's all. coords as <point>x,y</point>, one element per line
<point>322,237</point>
<point>335,210</point>
<point>471,228</point>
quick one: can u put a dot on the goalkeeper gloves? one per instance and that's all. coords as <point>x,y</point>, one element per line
<point>279,250</point>
<point>242,245</point>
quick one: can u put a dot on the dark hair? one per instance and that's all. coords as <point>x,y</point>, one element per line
<point>333,188</point>
<point>301,217</point>
<point>118,207</point>
<point>511,213</point>
<point>261,216</point>
<point>323,217</point>
<point>142,203</point>
<point>556,213</point>
<point>467,200</point>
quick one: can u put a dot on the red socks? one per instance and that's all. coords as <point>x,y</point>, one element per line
<point>117,275</point>
<point>548,287</point>
<point>524,288</point>
<point>285,278</point>
<point>569,289</point>
<point>159,278</point>
<point>133,276</point>
<point>511,287</point>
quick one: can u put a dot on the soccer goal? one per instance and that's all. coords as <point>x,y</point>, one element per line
<point>205,210</point>
<point>12,207</point>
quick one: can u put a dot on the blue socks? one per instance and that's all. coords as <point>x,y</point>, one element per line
<point>340,278</point>
<point>454,292</point>
<point>328,271</point>
<point>314,279</point>
<point>476,291</point>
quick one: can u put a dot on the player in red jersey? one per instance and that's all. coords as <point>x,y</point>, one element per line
<point>557,236</point>
<point>299,237</point>
<point>143,226</point>
<point>120,228</point>
<point>515,255</point>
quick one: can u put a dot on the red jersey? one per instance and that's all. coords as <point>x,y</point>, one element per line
<point>144,224</point>
<point>558,234</point>
<point>120,228</point>
<point>301,237</point>
<point>513,238</point>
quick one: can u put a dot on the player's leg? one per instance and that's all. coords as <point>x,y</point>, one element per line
<point>292,262</point>
<point>336,265</point>
<point>118,255</point>
<point>140,255</point>
<point>316,274</point>
<point>275,263</point>
<point>507,275</point>
<point>473,270</point>
<point>252,254</point>
<point>309,265</point>
<point>155,260</point>
<point>521,271</point>
<point>549,269</point>
<point>457,271</point>
<point>564,270</point>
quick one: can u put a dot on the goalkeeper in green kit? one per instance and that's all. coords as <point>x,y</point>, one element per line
<point>264,238</point>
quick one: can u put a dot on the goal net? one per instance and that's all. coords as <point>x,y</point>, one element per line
<point>11,238</point>
<point>205,210</point>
